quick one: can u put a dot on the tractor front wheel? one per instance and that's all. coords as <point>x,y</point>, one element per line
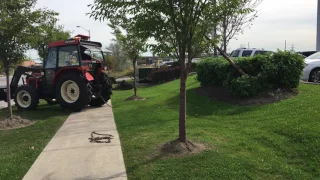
<point>72,92</point>
<point>26,98</point>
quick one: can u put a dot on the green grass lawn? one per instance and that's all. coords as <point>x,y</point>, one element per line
<point>275,141</point>
<point>16,153</point>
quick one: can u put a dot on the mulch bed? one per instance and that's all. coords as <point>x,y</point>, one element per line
<point>15,123</point>
<point>267,97</point>
<point>177,148</point>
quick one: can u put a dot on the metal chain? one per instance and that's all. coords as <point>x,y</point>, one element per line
<point>101,139</point>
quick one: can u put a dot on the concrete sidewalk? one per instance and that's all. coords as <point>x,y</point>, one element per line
<point>4,104</point>
<point>70,155</point>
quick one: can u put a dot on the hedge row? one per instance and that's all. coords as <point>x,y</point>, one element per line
<point>167,73</point>
<point>278,70</point>
<point>164,74</point>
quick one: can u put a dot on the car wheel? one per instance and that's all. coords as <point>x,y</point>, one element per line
<point>315,76</point>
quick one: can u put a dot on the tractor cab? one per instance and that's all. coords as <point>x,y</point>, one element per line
<point>75,52</point>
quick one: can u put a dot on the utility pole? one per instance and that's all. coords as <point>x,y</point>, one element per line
<point>318,27</point>
<point>88,30</point>
<point>285,45</point>
<point>248,44</point>
<point>292,47</point>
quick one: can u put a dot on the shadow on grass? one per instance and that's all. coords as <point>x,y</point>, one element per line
<point>42,112</point>
<point>157,112</point>
<point>199,105</point>
<point>219,165</point>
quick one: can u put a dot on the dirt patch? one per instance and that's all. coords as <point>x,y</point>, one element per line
<point>177,148</point>
<point>266,97</point>
<point>135,98</point>
<point>15,123</point>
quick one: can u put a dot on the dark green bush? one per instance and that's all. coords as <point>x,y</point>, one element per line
<point>193,67</point>
<point>175,64</point>
<point>212,71</point>
<point>164,75</point>
<point>283,69</point>
<point>278,70</point>
<point>245,86</point>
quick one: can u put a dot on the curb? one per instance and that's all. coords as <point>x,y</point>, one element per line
<point>304,82</point>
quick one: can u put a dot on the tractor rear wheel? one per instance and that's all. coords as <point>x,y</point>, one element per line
<point>106,92</point>
<point>26,98</point>
<point>72,92</point>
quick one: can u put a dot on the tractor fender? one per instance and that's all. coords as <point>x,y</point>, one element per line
<point>79,70</point>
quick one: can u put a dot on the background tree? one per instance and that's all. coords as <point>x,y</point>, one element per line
<point>132,46</point>
<point>109,60</point>
<point>236,20</point>
<point>49,33</point>
<point>181,24</point>
<point>19,25</point>
<point>120,61</point>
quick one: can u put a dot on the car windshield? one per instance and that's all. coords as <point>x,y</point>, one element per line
<point>91,53</point>
<point>314,56</point>
<point>235,53</point>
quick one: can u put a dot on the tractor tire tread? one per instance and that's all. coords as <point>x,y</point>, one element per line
<point>33,94</point>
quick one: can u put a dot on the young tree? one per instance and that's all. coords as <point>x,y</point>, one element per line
<point>132,46</point>
<point>236,20</point>
<point>19,25</point>
<point>178,25</point>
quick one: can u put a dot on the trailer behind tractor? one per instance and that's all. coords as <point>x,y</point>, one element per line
<point>72,75</point>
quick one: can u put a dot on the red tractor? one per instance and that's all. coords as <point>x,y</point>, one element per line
<point>72,75</point>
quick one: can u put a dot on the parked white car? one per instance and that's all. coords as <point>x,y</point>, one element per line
<point>166,63</point>
<point>247,52</point>
<point>311,71</point>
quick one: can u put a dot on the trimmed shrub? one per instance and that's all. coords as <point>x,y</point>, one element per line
<point>283,69</point>
<point>124,85</point>
<point>164,75</point>
<point>278,70</point>
<point>212,71</point>
<point>193,67</point>
<point>245,86</point>
<point>175,64</point>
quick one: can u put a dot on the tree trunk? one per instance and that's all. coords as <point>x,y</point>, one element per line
<point>224,36</point>
<point>224,26</point>
<point>215,52</point>
<point>230,61</point>
<point>8,91</point>
<point>134,78</point>
<point>182,115</point>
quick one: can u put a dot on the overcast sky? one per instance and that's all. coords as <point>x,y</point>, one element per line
<point>279,20</point>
